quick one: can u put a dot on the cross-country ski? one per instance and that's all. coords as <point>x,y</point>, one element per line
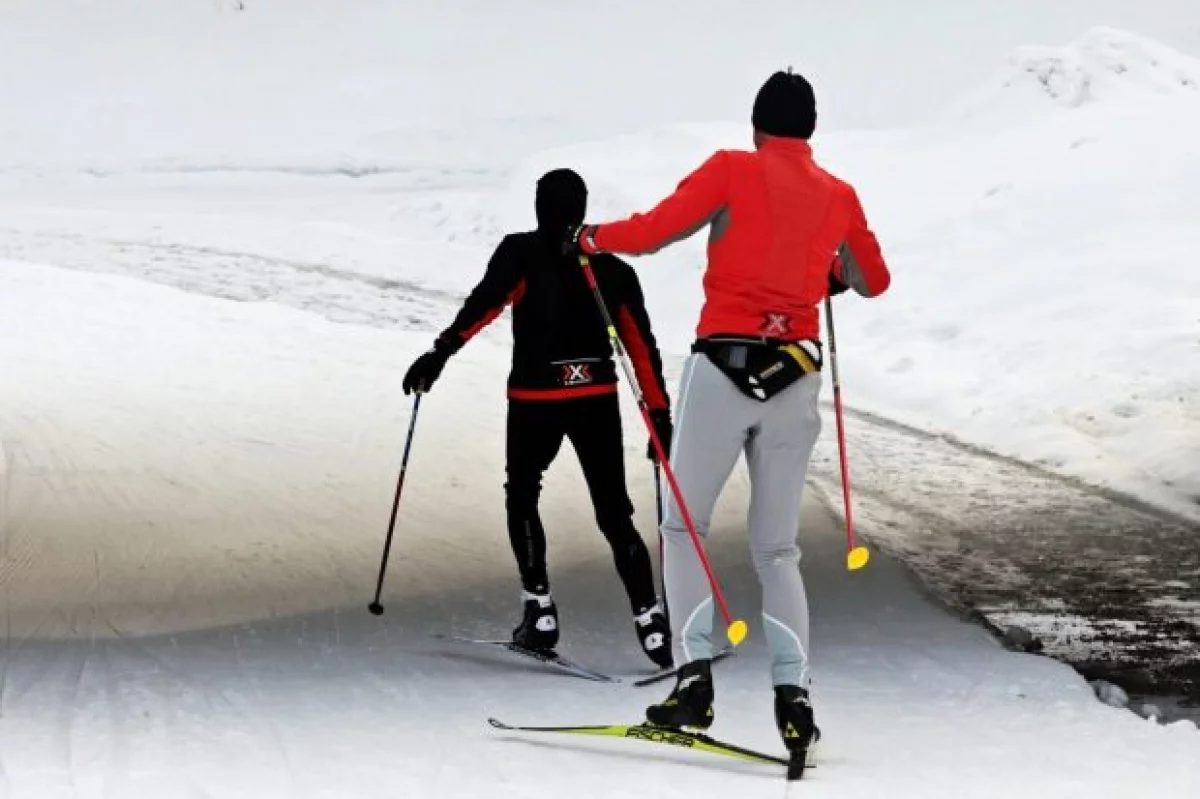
<point>673,737</point>
<point>552,659</point>
<point>666,674</point>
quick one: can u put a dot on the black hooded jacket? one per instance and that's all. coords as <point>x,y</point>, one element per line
<point>560,345</point>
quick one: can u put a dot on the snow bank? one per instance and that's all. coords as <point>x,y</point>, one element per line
<point>173,462</point>
<point>1104,66</point>
<point>1043,304</point>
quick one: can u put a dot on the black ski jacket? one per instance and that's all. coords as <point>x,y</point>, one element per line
<point>560,346</point>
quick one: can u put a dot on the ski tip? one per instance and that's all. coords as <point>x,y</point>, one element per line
<point>499,725</point>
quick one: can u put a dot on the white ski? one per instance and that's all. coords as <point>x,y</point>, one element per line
<point>552,659</point>
<point>663,674</point>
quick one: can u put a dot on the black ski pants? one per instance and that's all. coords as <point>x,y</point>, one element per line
<point>536,430</point>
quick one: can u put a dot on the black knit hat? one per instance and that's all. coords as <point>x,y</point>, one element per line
<point>786,106</point>
<point>561,200</point>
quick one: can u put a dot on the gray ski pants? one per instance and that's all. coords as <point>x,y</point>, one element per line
<point>715,422</point>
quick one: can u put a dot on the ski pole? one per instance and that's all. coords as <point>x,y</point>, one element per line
<point>658,492</point>
<point>662,553</point>
<point>856,556</point>
<point>375,607</point>
<point>735,629</point>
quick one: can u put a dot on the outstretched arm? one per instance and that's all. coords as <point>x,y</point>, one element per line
<point>697,200</point>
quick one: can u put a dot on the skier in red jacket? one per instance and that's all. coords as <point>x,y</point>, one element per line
<point>783,233</point>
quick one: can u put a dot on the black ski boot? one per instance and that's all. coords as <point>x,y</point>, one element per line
<point>691,702</point>
<point>655,635</point>
<point>538,630</point>
<point>794,718</point>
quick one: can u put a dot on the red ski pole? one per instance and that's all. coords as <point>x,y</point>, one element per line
<point>735,629</point>
<point>856,556</point>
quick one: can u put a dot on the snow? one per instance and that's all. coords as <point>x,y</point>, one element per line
<point>1044,306</point>
<point>1066,631</point>
<point>195,475</point>
<point>240,458</point>
<point>1104,66</point>
<point>323,85</point>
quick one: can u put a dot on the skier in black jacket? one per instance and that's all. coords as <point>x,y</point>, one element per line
<point>563,383</point>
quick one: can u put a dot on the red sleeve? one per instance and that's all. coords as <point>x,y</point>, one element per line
<point>647,364</point>
<point>693,205</point>
<point>860,263</point>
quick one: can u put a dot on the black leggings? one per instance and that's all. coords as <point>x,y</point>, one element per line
<point>593,424</point>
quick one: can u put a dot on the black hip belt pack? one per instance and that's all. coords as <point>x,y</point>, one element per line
<point>761,368</point>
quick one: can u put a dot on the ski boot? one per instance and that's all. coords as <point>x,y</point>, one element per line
<point>691,701</point>
<point>794,718</point>
<point>538,630</point>
<point>654,633</point>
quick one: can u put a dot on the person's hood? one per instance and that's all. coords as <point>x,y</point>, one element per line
<point>561,201</point>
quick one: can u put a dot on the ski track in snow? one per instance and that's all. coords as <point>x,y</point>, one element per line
<point>334,702</point>
<point>336,294</point>
<point>313,715</point>
<point>987,549</point>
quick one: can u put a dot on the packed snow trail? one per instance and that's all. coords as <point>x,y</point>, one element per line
<point>231,472</point>
<point>973,526</point>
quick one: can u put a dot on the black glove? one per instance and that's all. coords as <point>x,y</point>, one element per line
<point>661,419</point>
<point>426,369</point>
<point>580,240</point>
<point>836,286</point>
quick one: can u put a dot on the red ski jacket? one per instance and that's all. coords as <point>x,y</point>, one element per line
<point>779,225</point>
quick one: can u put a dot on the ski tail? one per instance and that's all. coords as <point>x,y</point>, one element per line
<point>796,766</point>
<point>560,662</point>
<point>664,674</point>
<point>660,735</point>
<point>552,659</point>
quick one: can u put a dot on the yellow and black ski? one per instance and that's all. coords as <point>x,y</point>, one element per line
<point>659,735</point>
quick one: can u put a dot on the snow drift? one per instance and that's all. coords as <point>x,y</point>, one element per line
<point>1105,66</point>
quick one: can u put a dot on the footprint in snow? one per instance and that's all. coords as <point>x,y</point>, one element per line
<point>1126,410</point>
<point>945,332</point>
